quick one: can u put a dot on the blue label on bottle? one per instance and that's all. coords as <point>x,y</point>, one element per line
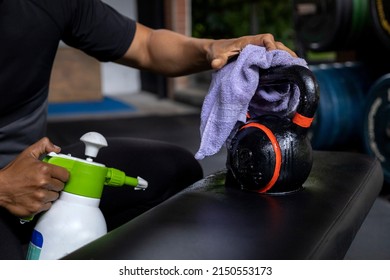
<point>35,246</point>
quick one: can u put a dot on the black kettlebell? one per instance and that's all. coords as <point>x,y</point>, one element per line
<point>270,154</point>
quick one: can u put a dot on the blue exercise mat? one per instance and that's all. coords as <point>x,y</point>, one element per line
<point>106,105</point>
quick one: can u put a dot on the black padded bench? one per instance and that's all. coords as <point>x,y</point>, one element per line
<point>211,221</point>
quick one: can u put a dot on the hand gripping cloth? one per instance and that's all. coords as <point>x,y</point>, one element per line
<point>235,90</point>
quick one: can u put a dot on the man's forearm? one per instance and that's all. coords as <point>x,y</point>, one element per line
<point>173,54</point>
<point>167,52</point>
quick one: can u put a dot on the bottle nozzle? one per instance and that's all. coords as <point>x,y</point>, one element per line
<point>142,184</point>
<point>117,178</point>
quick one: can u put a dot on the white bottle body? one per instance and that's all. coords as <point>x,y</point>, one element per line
<point>71,222</point>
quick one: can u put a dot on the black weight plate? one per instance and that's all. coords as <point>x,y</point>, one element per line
<point>380,11</point>
<point>376,130</point>
<point>322,133</point>
<point>322,25</point>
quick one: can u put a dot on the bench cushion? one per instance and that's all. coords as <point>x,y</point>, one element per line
<point>209,220</point>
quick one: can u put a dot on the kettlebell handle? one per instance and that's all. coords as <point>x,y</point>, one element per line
<point>307,84</point>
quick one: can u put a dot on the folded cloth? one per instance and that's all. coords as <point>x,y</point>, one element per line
<point>235,90</point>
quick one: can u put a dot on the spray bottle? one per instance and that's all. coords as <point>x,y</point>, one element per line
<point>75,218</point>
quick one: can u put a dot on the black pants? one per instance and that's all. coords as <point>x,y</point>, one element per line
<point>167,168</point>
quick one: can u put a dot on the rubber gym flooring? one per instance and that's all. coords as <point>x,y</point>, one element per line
<point>178,123</point>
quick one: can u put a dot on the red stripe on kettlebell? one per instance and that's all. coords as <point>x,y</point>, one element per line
<point>302,121</point>
<point>278,155</point>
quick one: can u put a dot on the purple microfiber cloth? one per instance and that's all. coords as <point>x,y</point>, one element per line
<point>235,90</point>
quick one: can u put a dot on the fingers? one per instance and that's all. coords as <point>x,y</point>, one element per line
<point>50,182</point>
<point>29,185</point>
<point>223,50</point>
<point>269,42</point>
<point>44,196</point>
<point>41,200</point>
<point>44,200</point>
<point>51,196</point>
<point>43,146</point>
<point>55,185</point>
<point>222,59</point>
<point>54,176</point>
<point>59,175</point>
<point>281,46</point>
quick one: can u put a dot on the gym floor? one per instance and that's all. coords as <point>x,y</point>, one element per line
<point>177,122</point>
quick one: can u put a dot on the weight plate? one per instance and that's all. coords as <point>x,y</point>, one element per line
<point>321,132</point>
<point>376,128</point>
<point>338,118</point>
<point>380,12</point>
<point>322,25</point>
<point>359,20</point>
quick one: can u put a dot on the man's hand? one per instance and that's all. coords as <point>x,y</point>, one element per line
<point>221,50</point>
<point>173,54</point>
<point>28,185</point>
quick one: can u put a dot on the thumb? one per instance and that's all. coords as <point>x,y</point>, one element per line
<point>43,146</point>
<point>221,60</point>
<point>218,63</point>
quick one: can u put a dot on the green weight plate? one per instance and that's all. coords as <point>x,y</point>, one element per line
<point>376,128</point>
<point>359,20</point>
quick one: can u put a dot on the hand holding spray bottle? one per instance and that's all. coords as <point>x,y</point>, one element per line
<point>75,218</point>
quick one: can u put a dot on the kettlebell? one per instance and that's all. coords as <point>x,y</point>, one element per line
<point>272,154</point>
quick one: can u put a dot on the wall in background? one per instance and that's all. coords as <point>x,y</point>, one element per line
<point>71,82</point>
<point>117,79</point>
<point>78,77</point>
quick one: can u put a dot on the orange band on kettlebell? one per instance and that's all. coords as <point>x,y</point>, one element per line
<point>278,154</point>
<point>302,121</point>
